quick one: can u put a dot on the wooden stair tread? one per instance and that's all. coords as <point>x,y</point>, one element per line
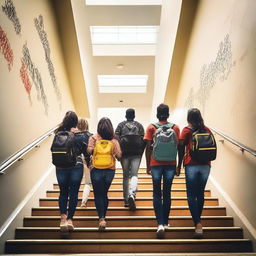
<point>126,217</point>
<point>160,241</point>
<point>121,198</point>
<point>119,229</point>
<point>123,208</point>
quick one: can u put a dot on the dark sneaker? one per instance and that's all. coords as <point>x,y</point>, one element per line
<point>198,233</point>
<point>126,204</point>
<point>131,201</point>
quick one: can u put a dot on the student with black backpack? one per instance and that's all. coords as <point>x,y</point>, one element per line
<point>130,134</point>
<point>69,169</point>
<point>200,147</point>
<point>161,151</point>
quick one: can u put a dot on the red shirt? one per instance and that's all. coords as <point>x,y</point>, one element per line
<point>186,135</point>
<point>149,135</point>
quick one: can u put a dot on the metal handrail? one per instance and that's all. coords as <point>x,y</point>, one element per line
<point>19,154</point>
<point>238,144</point>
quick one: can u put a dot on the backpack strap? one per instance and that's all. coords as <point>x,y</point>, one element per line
<point>157,125</point>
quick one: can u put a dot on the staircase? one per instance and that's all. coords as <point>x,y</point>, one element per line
<point>127,231</point>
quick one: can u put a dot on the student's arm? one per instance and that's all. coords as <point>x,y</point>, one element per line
<point>117,149</point>
<point>177,130</point>
<point>91,145</point>
<point>181,152</point>
<point>118,131</point>
<point>183,141</point>
<point>148,154</point>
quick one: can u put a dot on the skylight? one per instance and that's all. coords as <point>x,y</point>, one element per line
<point>124,34</point>
<point>122,83</point>
<point>123,2</point>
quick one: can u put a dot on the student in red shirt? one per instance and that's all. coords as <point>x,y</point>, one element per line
<point>196,172</point>
<point>161,170</point>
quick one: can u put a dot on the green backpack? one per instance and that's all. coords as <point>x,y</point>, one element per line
<point>165,142</point>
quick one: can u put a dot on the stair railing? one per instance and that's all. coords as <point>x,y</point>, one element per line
<point>236,143</point>
<point>19,154</point>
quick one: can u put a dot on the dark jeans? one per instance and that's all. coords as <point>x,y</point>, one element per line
<point>101,181</point>
<point>196,178</point>
<point>162,197</point>
<point>69,182</point>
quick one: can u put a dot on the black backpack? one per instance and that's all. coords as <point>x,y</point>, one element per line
<point>131,140</point>
<point>204,148</point>
<point>63,150</point>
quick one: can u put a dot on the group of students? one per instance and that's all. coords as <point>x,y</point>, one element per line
<point>74,150</point>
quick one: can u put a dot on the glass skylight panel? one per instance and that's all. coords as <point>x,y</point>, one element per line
<point>124,34</point>
<point>122,83</point>
<point>123,2</point>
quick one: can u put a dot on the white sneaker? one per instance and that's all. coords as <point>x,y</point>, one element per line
<point>166,226</point>
<point>160,232</point>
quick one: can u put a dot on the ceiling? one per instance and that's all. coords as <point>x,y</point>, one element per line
<point>88,15</point>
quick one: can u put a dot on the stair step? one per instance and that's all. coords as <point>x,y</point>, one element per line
<point>141,185</point>
<point>148,178</point>
<point>128,233</point>
<point>128,245</point>
<point>128,221</point>
<point>124,211</point>
<point>140,193</point>
<point>140,201</point>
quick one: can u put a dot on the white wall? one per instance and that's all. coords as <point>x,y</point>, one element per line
<point>170,14</point>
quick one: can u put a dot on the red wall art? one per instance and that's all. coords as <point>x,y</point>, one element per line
<point>5,48</point>
<point>25,78</point>
<point>35,76</point>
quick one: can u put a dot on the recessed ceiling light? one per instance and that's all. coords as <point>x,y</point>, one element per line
<point>120,66</point>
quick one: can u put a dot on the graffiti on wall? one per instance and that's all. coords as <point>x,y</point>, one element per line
<point>39,24</point>
<point>189,103</point>
<point>6,49</point>
<point>35,76</point>
<point>25,79</point>
<point>210,74</point>
<point>10,12</point>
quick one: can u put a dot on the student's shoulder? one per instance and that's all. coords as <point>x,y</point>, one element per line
<point>138,123</point>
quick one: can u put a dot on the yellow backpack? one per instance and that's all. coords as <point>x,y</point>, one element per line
<point>103,154</point>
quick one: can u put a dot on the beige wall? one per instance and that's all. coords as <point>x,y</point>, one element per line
<point>24,119</point>
<point>170,14</point>
<point>219,78</point>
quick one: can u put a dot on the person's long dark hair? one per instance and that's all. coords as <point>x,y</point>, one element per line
<point>105,129</point>
<point>195,118</point>
<point>70,121</point>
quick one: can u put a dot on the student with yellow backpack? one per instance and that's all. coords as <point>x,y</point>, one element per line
<point>104,148</point>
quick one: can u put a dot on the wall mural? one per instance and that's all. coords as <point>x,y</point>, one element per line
<point>6,49</point>
<point>39,24</point>
<point>35,75</point>
<point>217,70</point>
<point>10,12</point>
<point>189,103</point>
<point>25,79</point>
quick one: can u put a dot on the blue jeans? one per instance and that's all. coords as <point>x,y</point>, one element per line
<point>130,165</point>
<point>69,182</point>
<point>196,178</point>
<point>101,181</point>
<point>162,198</point>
